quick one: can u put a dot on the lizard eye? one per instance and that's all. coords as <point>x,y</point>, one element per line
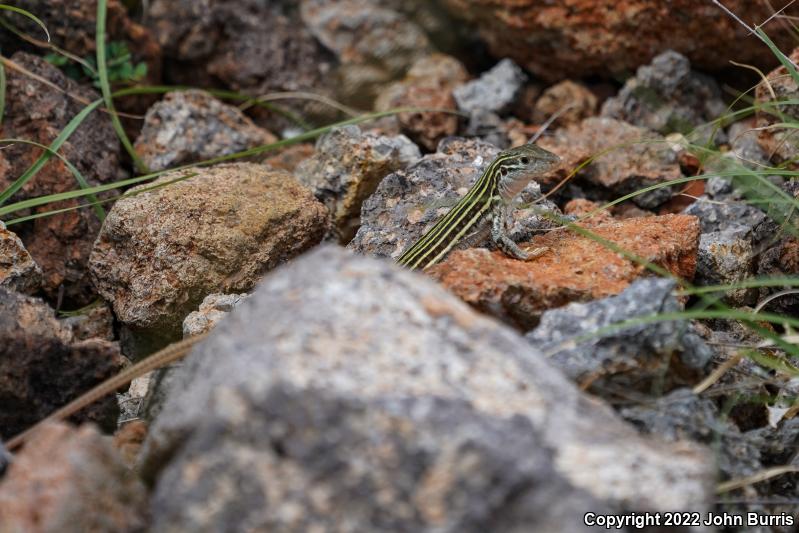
<point>525,160</point>
<point>503,171</point>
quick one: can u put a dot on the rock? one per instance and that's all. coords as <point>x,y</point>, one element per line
<point>43,367</point>
<point>427,85</point>
<point>495,91</point>
<point>373,43</point>
<point>346,169</point>
<point>581,38</point>
<point>575,269</point>
<point>71,480</point>
<point>780,260</point>
<point>633,358</point>
<point>162,251</point>
<point>667,96</point>
<point>720,216</point>
<point>573,100</point>
<point>211,311</point>
<point>488,127</point>
<point>72,26</point>
<point>191,126</point>
<point>224,41</point>
<point>59,244</point>
<point>682,415</point>
<point>745,149</point>
<point>408,202</point>
<point>95,322</point>
<point>727,257</point>
<point>779,143</point>
<point>18,271</point>
<point>288,158</point>
<point>637,158</point>
<point>372,377</point>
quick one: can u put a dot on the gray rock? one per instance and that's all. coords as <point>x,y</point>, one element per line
<point>190,126</point>
<point>632,357</point>
<point>408,202</point>
<point>162,251</point>
<point>496,90</point>
<point>744,147</point>
<point>18,271</point>
<point>213,308</point>
<point>71,480</point>
<point>683,415</point>
<point>264,411</point>
<point>487,126</point>
<point>727,257</point>
<point>718,216</point>
<point>667,96</point>
<point>346,169</point>
<point>43,366</point>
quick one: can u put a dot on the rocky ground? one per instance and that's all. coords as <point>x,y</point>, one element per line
<point>338,392</point>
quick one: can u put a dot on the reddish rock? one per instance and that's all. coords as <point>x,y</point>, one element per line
<point>581,207</point>
<point>577,100</point>
<point>576,268</point>
<point>558,39</point>
<point>18,271</point>
<point>626,158</point>
<point>779,144</point>
<point>59,244</point>
<point>42,366</point>
<point>70,480</point>
<point>428,84</point>
<point>288,158</point>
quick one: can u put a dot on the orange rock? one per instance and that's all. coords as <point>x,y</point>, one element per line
<point>576,268</point>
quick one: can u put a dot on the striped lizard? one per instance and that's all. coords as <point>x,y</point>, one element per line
<point>486,202</point>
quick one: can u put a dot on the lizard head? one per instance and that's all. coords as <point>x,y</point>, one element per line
<point>517,166</point>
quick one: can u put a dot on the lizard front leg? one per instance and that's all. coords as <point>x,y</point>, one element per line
<point>500,237</point>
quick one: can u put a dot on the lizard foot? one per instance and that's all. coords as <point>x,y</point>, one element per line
<point>535,252</point>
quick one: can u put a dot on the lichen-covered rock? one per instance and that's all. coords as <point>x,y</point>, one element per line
<point>69,480</point>
<point>427,85</point>
<point>577,38</point>
<point>495,90</point>
<point>635,158</point>
<point>667,96</point>
<point>372,377</point>
<point>373,43</point>
<point>573,100</point>
<point>683,415</point>
<point>346,169</point>
<point>210,312</point>
<point>18,271</point>
<point>408,202</point>
<point>576,268</point>
<point>191,126</point>
<point>60,244</point>
<point>162,251</point>
<point>631,358</point>
<point>43,366</point>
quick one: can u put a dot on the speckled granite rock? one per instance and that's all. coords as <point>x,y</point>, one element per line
<point>495,90</point>
<point>213,308</point>
<point>427,85</point>
<point>18,271</point>
<point>576,268</point>
<point>60,244</point>
<point>727,257</point>
<point>44,366</point>
<point>780,144</point>
<point>639,158</point>
<point>632,358</point>
<point>667,96</point>
<point>559,39</point>
<point>346,169</point>
<point>369,376</point>
<point>190,126</point>
<point>69,480</point>
<point>373,43</point>
<point>162,251</point>
<point>408,202</point>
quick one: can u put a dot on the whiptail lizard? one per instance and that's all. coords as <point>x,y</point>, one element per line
<point>487,202</point>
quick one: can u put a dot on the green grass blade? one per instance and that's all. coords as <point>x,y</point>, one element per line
<point>82,182</point>
<point>45,157</point>
<point>105,87</point>
<point>28,14</point>
<point>786,62</point>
